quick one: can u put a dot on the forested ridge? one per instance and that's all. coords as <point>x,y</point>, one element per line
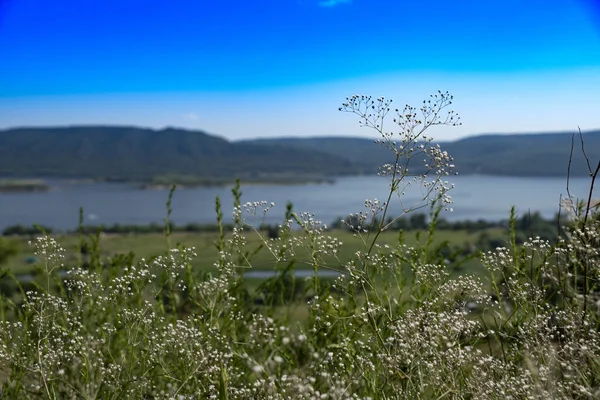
<point>540,154</point>
<point>131,153</point>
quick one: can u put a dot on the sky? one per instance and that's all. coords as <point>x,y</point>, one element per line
<point>264,68</point>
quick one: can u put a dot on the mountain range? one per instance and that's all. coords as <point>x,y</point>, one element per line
<point>172,154</point>
<point>537,154</point>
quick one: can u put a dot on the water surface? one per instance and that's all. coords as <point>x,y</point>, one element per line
<point>475,197</point>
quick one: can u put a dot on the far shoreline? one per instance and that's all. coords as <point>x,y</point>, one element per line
<point>226,183</point>
<point>23,185</point>
<point>10,185</point>
<point>39,185</point>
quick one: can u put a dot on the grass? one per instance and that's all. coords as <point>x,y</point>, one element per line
<point>150,244</point>
<point>400,323</point>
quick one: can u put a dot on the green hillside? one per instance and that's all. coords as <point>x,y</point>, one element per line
<point>163,156</point>
<point>364,154</point>
<point>525,154</point>
<point>128,153</point>
<point>544,154</point>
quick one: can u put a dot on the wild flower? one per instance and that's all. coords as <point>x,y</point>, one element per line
<point>398,322</point>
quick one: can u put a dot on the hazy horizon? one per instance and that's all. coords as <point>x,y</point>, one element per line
<point>243,70</point>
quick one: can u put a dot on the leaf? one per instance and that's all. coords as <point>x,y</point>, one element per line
<point>223,393</point>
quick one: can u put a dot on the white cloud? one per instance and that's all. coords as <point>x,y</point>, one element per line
<point>191,116</point>
<point>333,3</point>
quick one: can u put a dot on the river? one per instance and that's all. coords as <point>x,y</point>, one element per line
<point>475,197</point>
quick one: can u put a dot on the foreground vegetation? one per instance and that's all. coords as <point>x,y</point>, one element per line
<point>396,323</point>
<point>459,242</point>
<point>23,260</point>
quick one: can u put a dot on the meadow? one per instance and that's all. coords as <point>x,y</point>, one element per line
<point>146,245</point>
<point>171,317</point>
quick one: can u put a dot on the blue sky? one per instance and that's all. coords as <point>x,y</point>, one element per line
<point>282,67</point>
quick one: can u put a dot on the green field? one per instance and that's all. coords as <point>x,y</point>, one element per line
<point>151,244</point>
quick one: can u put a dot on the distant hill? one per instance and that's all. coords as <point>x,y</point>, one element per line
<point>364,154</point>
<point>543,154</point>
<point>129,153</point>
<point>163,156</point>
